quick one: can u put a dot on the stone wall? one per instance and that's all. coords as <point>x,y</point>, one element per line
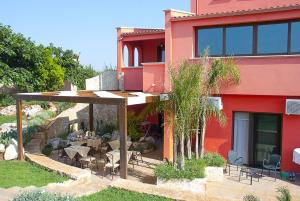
<point>103,114</point>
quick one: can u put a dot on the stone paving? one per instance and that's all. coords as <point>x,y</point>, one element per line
<point>230,189</point>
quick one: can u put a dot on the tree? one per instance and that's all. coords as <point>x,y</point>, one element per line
<point>185,83</point>
<point>216,73</point>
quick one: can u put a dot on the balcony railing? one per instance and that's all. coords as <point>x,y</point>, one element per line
<point>133,78</point>
<point>153,76</point>
<point>148,78</point>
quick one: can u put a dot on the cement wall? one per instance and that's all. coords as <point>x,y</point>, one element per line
<point>107,80</point>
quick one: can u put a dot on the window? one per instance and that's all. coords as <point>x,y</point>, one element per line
<point>161,53</point>
<point>272,38</point>
<point>249,39</point>
<point>239,40</point>
<point>211,39</point>
<point>295,37</point>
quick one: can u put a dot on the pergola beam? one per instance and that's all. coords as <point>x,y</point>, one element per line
<point>19,129</point>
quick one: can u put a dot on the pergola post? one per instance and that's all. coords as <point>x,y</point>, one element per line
<point>122,116</point>
<point>91,117</point>
<point>19,129</point>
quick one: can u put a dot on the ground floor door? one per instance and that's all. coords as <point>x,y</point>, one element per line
<point>256,136</point>
<point>241,135</point>
<point>267,136</point>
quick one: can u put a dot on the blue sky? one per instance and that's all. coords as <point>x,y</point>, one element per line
<point>87,27</point>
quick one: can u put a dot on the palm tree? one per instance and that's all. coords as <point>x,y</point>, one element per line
<point>217,73</point>
<point>185,84</point>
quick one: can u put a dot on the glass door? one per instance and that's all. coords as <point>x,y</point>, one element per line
<point>267,136</point>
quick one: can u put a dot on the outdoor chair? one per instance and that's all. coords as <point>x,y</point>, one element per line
<point>110,164</point>
<point>96,165</point>
<point>135,155</point>
<point>272,164</point>
<point>86,161</point>
<point>234,160</point>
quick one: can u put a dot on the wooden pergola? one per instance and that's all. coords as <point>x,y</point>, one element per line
<point>118,98</point>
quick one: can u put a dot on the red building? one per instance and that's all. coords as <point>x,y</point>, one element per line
<point>264,39</point>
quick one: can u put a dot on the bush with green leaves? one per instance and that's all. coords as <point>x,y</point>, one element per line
<point>5,138</point>
<point>47,150</point>
<point>42,196</point>
<point>6,100</point>
<point>284,195</point>
<point>213,159</point>
<point>108,128</point>
<point>193,169</point>
<point>250,198</point>
<point>32,67</point>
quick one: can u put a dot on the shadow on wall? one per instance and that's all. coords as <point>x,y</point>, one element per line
<point>103,114</point>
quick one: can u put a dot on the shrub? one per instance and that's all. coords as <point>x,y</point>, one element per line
<point>213,160</point>
<point>6,100</point>
<point>47,149</point>
<point>108,128</point>
<point>62,106</point>
<point>42,196</point>
<point>5,138</point>
<point>284,194</point>
<point>250,198</point>
<point>193,169</point>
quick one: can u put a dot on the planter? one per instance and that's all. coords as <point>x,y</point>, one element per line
<point>196,185</point>
<point>214,173</point>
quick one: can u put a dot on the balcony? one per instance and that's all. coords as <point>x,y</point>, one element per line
<point>148,78</point>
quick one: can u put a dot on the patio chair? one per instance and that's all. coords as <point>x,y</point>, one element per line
<point>96,165</point>
<point>272,164</point>
<point>110,164</point>
<point>234,160</point>
<point>86,161</point>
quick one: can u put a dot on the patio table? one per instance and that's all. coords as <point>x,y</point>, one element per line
<point>116,155</point>
<point>115,144</point>
<point>73,150</point>
<point>250,172</point>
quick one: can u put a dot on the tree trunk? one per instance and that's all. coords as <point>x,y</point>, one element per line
<point>174,149</point>
<point>197,141</point>
<point>203,128</point>
<point>181,161</point>
<point>189,148</point>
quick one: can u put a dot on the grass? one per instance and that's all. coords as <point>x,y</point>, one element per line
<point>22,174</point>
<point>7,119</point>
<point>114,194</point>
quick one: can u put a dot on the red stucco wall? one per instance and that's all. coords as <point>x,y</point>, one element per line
<point>219,139</point>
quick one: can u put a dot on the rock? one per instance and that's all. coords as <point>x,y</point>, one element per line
<point>2,148</point>
<point>52,107</point>
<point>32,110</point>
<point>8,111</point>
<point>54,142</point>
<point>7,127</point>
<point>11,152</point>
<point>115,136</point>
<point>150,140</point>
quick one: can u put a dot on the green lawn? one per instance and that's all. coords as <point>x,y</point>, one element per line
<point>7,119</point>
<point>114,194</point>
<point>22,174</point>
